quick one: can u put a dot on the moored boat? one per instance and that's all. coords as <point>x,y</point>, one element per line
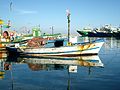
<point>95,34</point>
<point>116,34</point>
<point>104,31</point>
<point>88,48</point>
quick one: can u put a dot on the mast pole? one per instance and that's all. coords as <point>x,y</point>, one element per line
<point>68,18</point>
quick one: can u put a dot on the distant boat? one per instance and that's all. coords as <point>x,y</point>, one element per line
<point>88,48</point>
<point>105,31</point>
<point>95,34</point>
<point>116,34</point>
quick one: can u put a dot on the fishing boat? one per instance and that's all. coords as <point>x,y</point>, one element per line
<point>95,34</point>
<point>105,31</point>
<point>116,34</point>
<point>87,48</point>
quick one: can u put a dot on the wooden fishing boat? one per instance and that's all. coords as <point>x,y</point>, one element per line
<point>95,33</point>
<point>78,49</point>
<point>89,48</point>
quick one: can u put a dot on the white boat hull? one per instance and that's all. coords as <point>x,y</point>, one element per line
<point>92,48</point>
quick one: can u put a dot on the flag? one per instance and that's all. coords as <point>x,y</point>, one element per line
<point>68,12</point>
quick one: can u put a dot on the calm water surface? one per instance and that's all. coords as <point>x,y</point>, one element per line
<point>90,74</point>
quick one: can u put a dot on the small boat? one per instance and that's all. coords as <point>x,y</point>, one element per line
<point>87,48</point>
<point>95,34</point>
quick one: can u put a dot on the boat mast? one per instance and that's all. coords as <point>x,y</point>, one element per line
<point>68,17</point>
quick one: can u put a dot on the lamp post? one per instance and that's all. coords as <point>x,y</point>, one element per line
<point>1,22</point>
<point>52,30</point>
<point>68,17</point>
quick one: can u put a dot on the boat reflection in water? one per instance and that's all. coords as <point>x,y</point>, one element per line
<point>70,63</point>
<point>55,63</point>
<point>3,65</point>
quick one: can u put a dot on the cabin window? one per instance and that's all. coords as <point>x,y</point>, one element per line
<point>58,43</point>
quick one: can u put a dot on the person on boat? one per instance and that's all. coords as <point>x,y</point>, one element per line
<point>6,37</point>
<point>12,37</point>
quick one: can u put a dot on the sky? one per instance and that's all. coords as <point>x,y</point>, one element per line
<point>48,13</point>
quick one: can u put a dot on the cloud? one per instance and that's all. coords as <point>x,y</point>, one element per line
<point>27,12</point>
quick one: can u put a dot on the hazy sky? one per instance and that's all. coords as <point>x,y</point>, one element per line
<point>47,13</point>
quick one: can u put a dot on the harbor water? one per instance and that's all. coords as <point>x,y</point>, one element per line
<point>79,73</point>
